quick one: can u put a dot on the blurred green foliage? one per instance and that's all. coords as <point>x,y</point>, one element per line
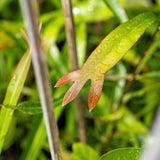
<point>107,129</point>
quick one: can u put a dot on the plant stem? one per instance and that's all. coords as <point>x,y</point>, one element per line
<point>118,77</point>
<point>41,73</point>
<point>70,32</point>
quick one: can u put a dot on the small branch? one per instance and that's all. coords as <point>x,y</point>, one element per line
<point>99,29</point>
<point>118,77</point>
<point>69,26</point>
<point>129,85</point>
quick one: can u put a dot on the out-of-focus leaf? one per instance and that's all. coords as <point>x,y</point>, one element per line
<point>131,57</point>
<point>37,137</point>
<point>104,57</point>
<point>12,95</point>
<point>82,151</point>
<point>152,100</point>
<point>122,154</point>
<point>52,29</point>
<point>6,26</point>
<point>158,2</point>
<point>119,12</point>
<point>5,41</point>
<point>43,156</point>
<point>111,117</point>
<point>56,3</point>
<point>3,4</point>
<point>151,51</point>
<point>49,16</point>
<point>121,83</point>
<point>71,125</point>
<point>81,41</point>
<point>89,11</point>
<point>85,11</point>
<point>143,91</point>
<point>129,123</point>
<point>55,60</point>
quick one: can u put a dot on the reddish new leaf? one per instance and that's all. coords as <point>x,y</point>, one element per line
<point>104,57</point>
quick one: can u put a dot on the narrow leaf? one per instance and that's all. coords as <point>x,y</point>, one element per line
<point>12,95</point>
<point>104,57</point>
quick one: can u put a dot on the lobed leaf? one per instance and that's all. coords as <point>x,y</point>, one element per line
<point>104,57</point>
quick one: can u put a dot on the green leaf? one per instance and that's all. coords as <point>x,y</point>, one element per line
<point>55,60</point>
<point>81,41</point>
<point>35,140</point>
<point>130,123</point>
<point>6,26</point>
<point>109,52</point>
<point>5,41</point>
<point>122,154</point>
<point>37,137</point>
<point>3,4</point>
<point>89,11</point>
<point>52,29</point>
<point>119,12</point>
<point>30,107</point>
<point>12,95</point>
<point>34,107</point>
<point>83,152</point>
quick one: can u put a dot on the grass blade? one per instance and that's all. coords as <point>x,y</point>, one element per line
<point>12,95</point>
